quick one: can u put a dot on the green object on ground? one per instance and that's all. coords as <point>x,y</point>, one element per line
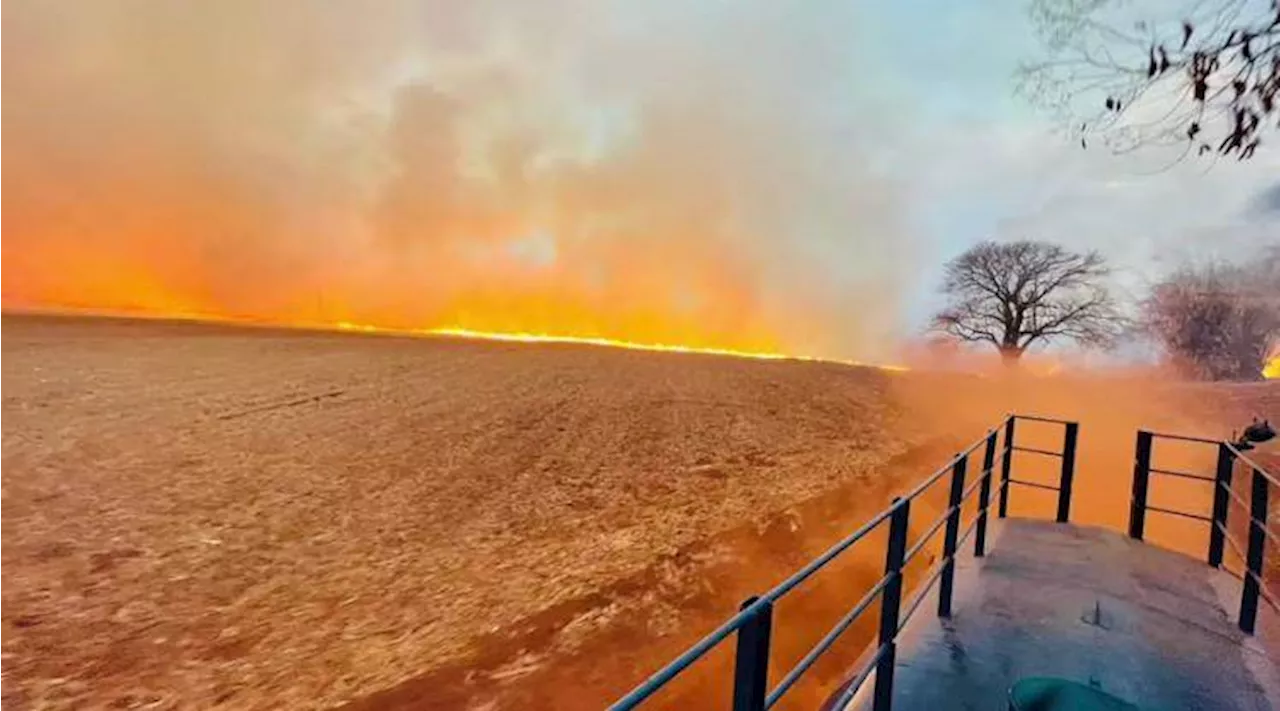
<point>1042,693</point>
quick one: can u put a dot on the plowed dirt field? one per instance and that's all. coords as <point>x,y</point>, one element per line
<point>198,514</point>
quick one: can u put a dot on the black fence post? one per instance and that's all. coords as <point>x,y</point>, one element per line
<point>984,495</point>
<point>949,538</point>
<point>1257,539</point>
<point>1005,463</point>
<point>1221,502</point>
<point>1068,470</point>
<point>751,662</point>
<point>1138,499</point>
<point>890,603</point>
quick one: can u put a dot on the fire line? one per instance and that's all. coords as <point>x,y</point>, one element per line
<point>520,337</point>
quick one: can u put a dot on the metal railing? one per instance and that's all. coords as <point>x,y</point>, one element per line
<point>1259,526</point>
<point>753,624</point>
<point>1071,431</point>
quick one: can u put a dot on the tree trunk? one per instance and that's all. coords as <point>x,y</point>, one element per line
<point>1010,355</point>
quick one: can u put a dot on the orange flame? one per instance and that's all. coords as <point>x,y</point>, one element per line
<point>1271,367</point>
<point>682,298</point>
<point>606,342</point>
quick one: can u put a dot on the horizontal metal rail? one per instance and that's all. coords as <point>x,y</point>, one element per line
<point>1038,418</point>
<point>1033,484</point>
<point>1266,525</point>
<point>922,592</point>
<point>977,482</point>
<point>1182,475</point>
<point>851,689</point>
<point>980,441</point>
<point>752,622</point>
<point>1185,438</point>
<point>824,644</point>
<point>924,537</point>
<point>1271,535</point>
<point>1231,542</point>
<point>933,478</point>
<point>964,535</point>
<point>1262,589</point>
<point>938,522</point>
<point>1183,514</point>
<point>1256,467</point>
<point>946,468</point>
<point>1033,450</point>
<point>804,573</point>
<point>693,654</point>
<point>1257,515</point>
<point>1238,498</point>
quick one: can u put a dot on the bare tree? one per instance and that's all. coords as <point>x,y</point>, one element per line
<point>1208,81</point>
<point>1014,295</point>
<point>1217,322</point>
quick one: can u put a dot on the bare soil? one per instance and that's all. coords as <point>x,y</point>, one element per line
<point>198,515</point>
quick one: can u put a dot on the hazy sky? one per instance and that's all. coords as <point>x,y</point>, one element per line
<point>764,174</point>
<point>992,165</point>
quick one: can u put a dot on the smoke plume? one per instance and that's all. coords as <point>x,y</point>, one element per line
<point>659,172</point>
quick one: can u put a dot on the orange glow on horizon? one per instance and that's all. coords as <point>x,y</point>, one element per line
<point>518,337</point>
<point>1271,369</point>
<point>466,333</point>
<point>684,298</point>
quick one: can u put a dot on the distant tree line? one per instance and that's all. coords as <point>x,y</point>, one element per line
<point>1207,82</point>
<point>1217,321</point>
<point>1212,321</point>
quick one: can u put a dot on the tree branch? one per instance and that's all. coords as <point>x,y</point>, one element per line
<point>1015,294</point>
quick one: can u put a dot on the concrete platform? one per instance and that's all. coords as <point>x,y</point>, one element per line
<point>1151,626</point>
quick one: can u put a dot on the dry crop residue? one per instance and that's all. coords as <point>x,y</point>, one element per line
<point>196,515</point>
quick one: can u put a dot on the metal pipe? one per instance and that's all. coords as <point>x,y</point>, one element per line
<point>1033,484</point>
<point>889,606</point>
<point>1183,514</point>
<point>823,644</point>
<point>1254,465</point>
<point>949,539</point>
<point>928,534</point>
<point>1234,546</point>
<point>803,574</point>
<point>1037,418</point>
<point>1033,450</point>
<point>851,688</point>
<point>984,496</point>
<point>679,664</point>
<point>1221,506</point>
<point>1185,438</point>
<point>1069,438</point>
<point>1181,475</point>
<point>914,603</point>
<point>1006,463</point>
<point>1257,543</point>
<point>751,658</point>
<point>1138,498</point>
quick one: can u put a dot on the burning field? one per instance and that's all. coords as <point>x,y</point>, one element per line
<point>199,514</point>
<point>299,480</point>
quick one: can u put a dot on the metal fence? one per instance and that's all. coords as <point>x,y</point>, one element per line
<point>1229,456</point>
<point>754,622</point>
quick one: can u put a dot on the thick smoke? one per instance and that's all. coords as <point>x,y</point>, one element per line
<point>655,171</point>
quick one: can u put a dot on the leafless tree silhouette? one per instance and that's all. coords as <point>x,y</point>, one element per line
<point>1216,321</point>
<point>1013,295</point>
<point>1208,82</point>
